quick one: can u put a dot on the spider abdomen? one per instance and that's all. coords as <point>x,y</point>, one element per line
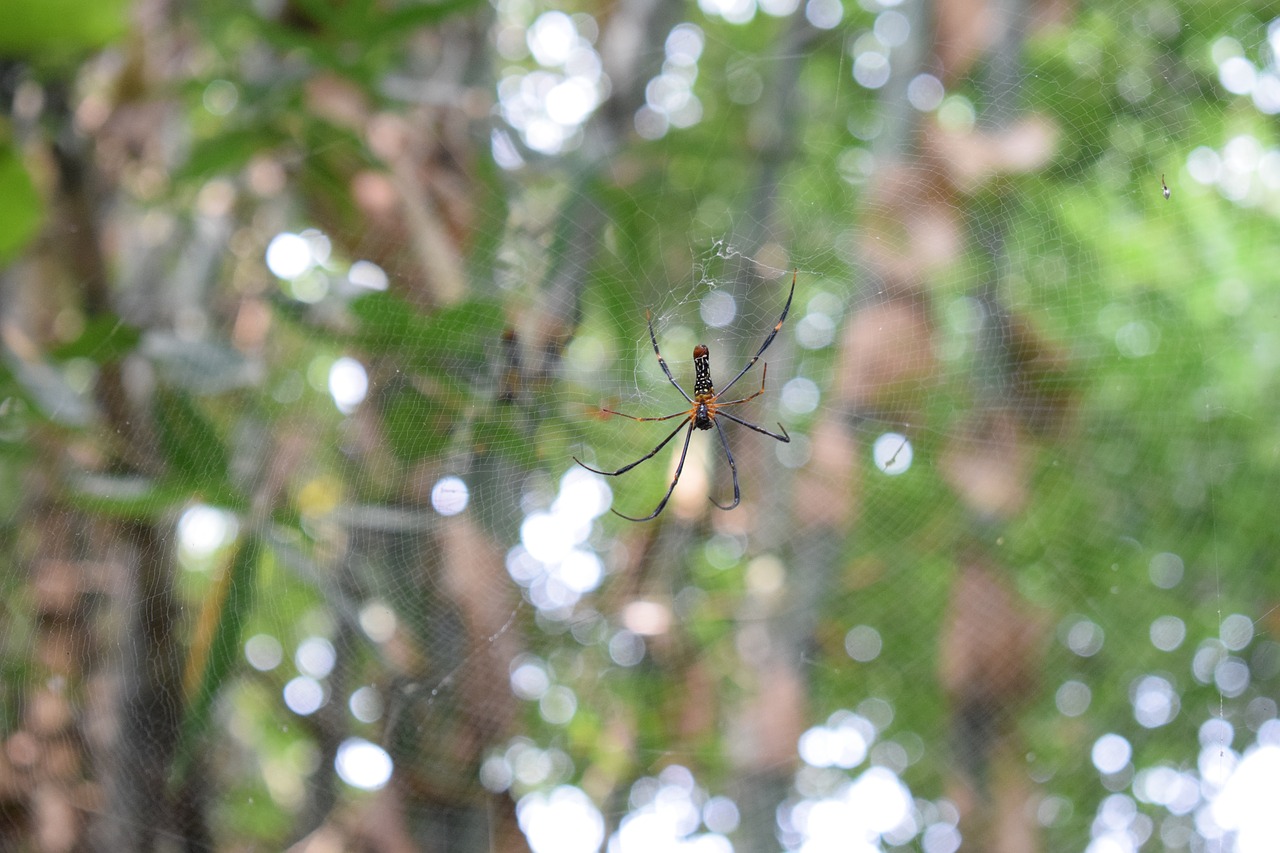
<point>702,388</point>
<point>703,391</point>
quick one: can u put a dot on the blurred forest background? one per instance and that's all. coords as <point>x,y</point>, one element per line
<point>309,306</point>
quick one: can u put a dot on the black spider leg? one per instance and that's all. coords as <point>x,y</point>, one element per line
<point>652,453</point>
<point>763,347</point>
<point>681,413</point>
<point>764,374</point>
<point>784,438</point>
<point>662,362</point>
<point>724,442</point>
<point>684,454</point>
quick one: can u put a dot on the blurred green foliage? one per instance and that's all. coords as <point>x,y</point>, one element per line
<point>1166,446</point>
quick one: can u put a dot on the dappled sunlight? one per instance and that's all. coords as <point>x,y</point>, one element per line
<point>318,329</point>
<point>548,106</point>
<point>892,453</point>
<point>1246,805</point>
<point>550,561</point>
<point>450,495</point>
<point>303,695</point>
<point>563,820</point>
<point>363,765</point>
<point>263,652</point>
<point>859,815</point>
<point>348,384</point>
<point>202,531</point>
<point>672,812</point>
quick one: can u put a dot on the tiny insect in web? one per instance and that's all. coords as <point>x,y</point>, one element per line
<point>705,409</point>
<point>1164,188</point>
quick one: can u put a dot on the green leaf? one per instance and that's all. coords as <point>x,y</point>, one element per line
<point>500,433</point>
<point>195,453</point>
<point>105,339</point>
<point>321,13</point>
<point>388,323</point>
<point>126,497</point>
<point>416,427</point>
<point>362,21</point>
<point>44,30</point>
<point>456,341</point>
<point>228,152</point>
<point>419,15</point>
<point>23,209</point>
<point>217,652</point>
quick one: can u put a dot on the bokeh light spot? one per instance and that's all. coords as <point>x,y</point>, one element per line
<point>348,384</point>
<point>450,495</point>
<point>363,765</point>
<point>288,256</point>
<point>1111,753</point>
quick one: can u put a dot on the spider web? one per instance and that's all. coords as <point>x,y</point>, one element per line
<point>295,411</point>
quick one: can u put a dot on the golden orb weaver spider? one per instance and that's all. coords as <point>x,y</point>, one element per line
<point>704,409</point>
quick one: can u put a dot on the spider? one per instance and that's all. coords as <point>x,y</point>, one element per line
<point>705,407</point>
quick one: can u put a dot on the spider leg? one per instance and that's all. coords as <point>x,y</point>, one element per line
<point>684,453</point>
<point>634,418</point>
<point>737,495</point>
<point>662,362</point>
<point>767,341</point>
<point>753,396</point>
<point>784,438</point>
<point>652,453</point>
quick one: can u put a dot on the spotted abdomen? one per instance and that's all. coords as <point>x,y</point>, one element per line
<point>703,391</point>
